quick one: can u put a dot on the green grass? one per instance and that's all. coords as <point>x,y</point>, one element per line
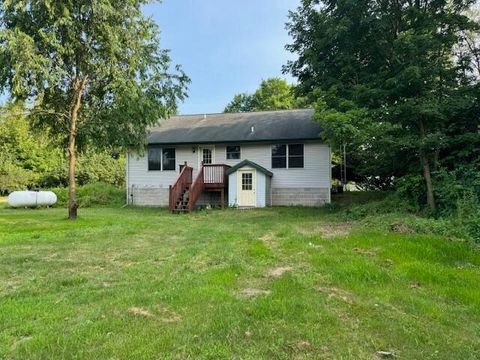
<point>275,283</point>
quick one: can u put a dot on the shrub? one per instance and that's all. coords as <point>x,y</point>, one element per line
<point>468,215</point>
<point>390,204</point>
<point>411,188</point>
<point>98,194</point>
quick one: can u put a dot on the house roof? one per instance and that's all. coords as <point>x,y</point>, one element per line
<point>251,164</point>
<point>267,126</point>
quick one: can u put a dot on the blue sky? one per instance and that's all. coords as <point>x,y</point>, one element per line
<point>224,46</point>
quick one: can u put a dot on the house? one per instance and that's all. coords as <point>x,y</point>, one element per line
<point>258,159</point>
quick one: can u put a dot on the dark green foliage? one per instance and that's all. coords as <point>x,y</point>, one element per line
<point>108,49</point>
<point>93,72</point>
<point>241,103</point>
<point>468,215</point>
<point>394,212</point>
<point>97,194</point>
<point>272,94</point>
<point>395,81</point>
<point>31,159</point>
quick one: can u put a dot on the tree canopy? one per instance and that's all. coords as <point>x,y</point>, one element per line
<point>93,71</point>
<point>272,94</point>
<point>392,80</point>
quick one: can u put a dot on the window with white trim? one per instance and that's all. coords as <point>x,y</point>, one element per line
<point>233,152</point>
<point>289,156</point>
<point>161,158</point>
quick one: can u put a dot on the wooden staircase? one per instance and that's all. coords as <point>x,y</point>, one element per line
<point>185,193</point>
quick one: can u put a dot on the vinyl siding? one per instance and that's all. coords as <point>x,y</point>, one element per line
<point>260,189</point>
<point>232,190</point>
<point>316,171</point>
<point>315,174</point>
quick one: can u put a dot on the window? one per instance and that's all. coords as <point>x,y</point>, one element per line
<point>295,156</point>
<point>161,159</point>
<point>287,156</point>
<point>247,181</point>
<point>279,156</point>
<point>154,158</point>
<point>233,152</point>
<point>207,156</point>
<point>169,159</point>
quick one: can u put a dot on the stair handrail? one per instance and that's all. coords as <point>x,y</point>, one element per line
<point>176,190</point>
<point>196,189</point>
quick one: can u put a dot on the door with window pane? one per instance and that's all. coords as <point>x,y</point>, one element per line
<point>246,188</point>
<point>206,154</point>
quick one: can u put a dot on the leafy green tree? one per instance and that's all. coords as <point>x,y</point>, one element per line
<point>93,71</point>
<point>272,94</point>
<point>241,103</point>
<point>24,157</point>
<point>388,80</point>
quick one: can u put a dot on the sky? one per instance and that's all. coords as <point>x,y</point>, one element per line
<point>225,46</point>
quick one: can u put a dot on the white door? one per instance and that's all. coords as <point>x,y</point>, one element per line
<point>206,154</point>
<point>246,188</point>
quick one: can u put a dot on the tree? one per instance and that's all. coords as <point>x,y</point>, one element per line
<point>386,79</point>
<point>241,103</point>
<point>92,71</point>
<point>24,157</point>
<point>272,94</point>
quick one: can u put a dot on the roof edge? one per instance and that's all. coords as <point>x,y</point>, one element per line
<point>266,141</point>
<point>241,112</point>
<point>250,163</point>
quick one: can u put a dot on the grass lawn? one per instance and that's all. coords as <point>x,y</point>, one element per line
<point>274,283</point>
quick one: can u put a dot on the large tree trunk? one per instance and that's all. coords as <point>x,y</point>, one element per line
<point>426,173</point>
<point>428,180</point>
<point>78,88</point>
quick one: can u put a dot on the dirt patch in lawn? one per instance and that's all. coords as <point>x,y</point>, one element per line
<point>326,230</point>
<point>268,240</point>
<point>367,252</point>
<point>279,271</point>
<point>140,312</point>
<point>252,293</point>
<point>335,293</point>
<point>162,313</point>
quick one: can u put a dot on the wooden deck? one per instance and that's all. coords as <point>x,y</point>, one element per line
<point>186,191</point>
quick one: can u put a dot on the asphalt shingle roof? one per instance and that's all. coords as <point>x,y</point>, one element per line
<point>265,126</point>
<point>247,162</point>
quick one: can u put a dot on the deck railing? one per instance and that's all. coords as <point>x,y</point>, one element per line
<point>184,180</point>
<point>196,189</point>
<point>216,174</point>
<point>210,177</point>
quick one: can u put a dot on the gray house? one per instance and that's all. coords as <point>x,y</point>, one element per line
<point>259,159</point>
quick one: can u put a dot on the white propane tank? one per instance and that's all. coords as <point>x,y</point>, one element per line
<point>31,198</point>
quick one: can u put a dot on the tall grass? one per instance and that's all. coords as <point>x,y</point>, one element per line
<point>97,194</point>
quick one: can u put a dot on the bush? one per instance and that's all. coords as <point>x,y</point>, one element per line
<point>392,213</point>
<point>468,215</point>
<point>389,204</point>
<point>412,189</point>
<point>98,194</point>
<point>452,187</point>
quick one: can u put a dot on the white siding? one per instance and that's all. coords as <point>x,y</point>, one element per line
<point>140,176</point>
<point>260,189</point>
<point>315,174</point>
<point>232,189</point>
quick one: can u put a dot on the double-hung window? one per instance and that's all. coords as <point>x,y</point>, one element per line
<point>287,156</point>
<point>233,152</point>
<point>161,158</point>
